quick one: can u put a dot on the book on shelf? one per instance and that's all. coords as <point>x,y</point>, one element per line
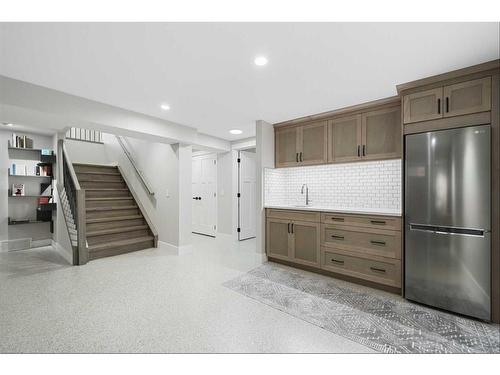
<point>18,190</point>
<point>18,170</point>
<point>46,189</point>
<point>21,141</point>
<point>46,151</point>
<point>43,200</point>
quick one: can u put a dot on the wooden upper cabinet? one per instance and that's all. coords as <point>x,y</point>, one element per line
<point>382,134</point>
<point>467,97</point>
<point>344,139</point>
<point>286,144</point>
<point>423,106</point>
<point>306,243</point>
<point>313,143</point>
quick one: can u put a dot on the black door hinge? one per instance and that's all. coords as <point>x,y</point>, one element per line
<point>238,230</point>
<point>238,195</point>
<point>239,160</point>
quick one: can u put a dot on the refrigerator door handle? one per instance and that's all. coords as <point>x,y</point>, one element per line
<point>448,230</point>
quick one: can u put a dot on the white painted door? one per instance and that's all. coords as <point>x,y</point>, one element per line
<point>247,205</point>
<point>204,208</point>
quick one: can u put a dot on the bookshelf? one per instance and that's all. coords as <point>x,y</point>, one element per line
<point>30,174</point>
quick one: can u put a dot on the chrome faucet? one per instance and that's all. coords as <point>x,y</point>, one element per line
<point>307,193</point>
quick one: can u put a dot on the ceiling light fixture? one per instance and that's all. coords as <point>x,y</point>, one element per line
<point>165,107</point>
<point>260,60</point>
<point>235,131</point>
<point>8,124</point>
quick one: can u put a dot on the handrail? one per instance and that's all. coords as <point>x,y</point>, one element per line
<point>70,167</point>
<point>76,200</point>
<point>142,178</point>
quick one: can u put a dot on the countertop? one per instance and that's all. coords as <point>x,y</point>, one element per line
<point>361,211</point>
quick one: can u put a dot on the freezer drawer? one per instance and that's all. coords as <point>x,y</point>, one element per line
<point>449,270</point>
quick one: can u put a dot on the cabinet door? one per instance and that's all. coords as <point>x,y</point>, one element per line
<point>467,97</point>
<point>306,243</point>
<point>278,243</point>
<point>344,139</point>
<point>286,141</point>
<point>313,143</point>
<point>382,134</point>
<point>423,106</point>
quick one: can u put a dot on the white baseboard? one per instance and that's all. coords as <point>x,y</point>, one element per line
<point>174,249</point>
<point>68,256</point>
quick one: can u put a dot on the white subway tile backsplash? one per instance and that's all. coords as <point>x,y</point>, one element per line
<point>371,185</point>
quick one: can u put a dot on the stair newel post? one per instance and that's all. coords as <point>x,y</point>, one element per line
<point>83,253</point>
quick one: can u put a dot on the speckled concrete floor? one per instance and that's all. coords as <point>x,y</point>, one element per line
<point>148,301</point>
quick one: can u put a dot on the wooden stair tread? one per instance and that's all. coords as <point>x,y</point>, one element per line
<point>109,199</point>
<point>116,230</point>
<point>106,189</point>
<point>95,165</point>
<point>111,208</point>
<point>113,218</point>
<point>99,181</point>
<point>100,173</point>
<point>111,244</point>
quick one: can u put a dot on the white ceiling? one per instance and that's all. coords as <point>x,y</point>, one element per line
<point>205,71</point>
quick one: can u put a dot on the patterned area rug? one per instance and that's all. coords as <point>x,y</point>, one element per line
<point>382,321</point>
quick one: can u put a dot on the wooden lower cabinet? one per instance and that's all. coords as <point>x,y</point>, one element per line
<point>306,243</point>
<point>380,270</point>
<point>364,247</point>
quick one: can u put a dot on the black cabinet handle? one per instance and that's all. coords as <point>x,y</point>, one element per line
<point>301,160</point>
<point>337,218</point>
<point>377,269</point>
<point>447,104</point>
<point>297,157</point>
<point>199,198</point>
<point>364,150</point>
<point>377,222</point>
<point>380,243</point>
<point>336,261</point>
<point>288,227</point>
<point>439,106</point>
<point>337,237</point>
<point>359,151</point>
<point>292,227</point>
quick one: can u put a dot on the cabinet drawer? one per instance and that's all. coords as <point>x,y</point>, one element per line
<point>293,215</point>
<point>378,270</point>
<point>382,243</point>
<point>366,221</point>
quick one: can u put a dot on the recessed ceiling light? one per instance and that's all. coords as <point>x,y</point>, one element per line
<point>260,60</point>
<point>235,131</point>
<point>165,107</point>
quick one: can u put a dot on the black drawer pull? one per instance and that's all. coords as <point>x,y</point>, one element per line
<point>337,218</point>
<point>359,151</point>
<point>439,106</point>
<point>337,261</point>
<point>378,222</point>
<point>297,157</point>
<point>447,104</point>
<point>380,243</point>
<point>337,237</point>
<point>377,269</point>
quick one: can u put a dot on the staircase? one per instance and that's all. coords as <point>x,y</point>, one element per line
<point>114,221</point>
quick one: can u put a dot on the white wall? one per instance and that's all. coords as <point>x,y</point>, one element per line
<point>226,203</point>
<point>86,152</point>
<point>264,159</point>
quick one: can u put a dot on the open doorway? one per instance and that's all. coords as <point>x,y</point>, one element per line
<point>204,190</point>
<point>246,195</point>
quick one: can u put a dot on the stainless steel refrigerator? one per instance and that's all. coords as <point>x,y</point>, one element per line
<point>448,219</point>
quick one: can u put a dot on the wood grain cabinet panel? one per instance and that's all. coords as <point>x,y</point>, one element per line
<point>467,97</point>
<point>313,142</point>
<point>344,139</point>
<point>423,105</point>
<point>278,243</point>
<point>363,240</point>
<point>381,134</point>
<point>287,146</point>
<point>379,270</point>
<point>291,215</point>
<point>306,243</point>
